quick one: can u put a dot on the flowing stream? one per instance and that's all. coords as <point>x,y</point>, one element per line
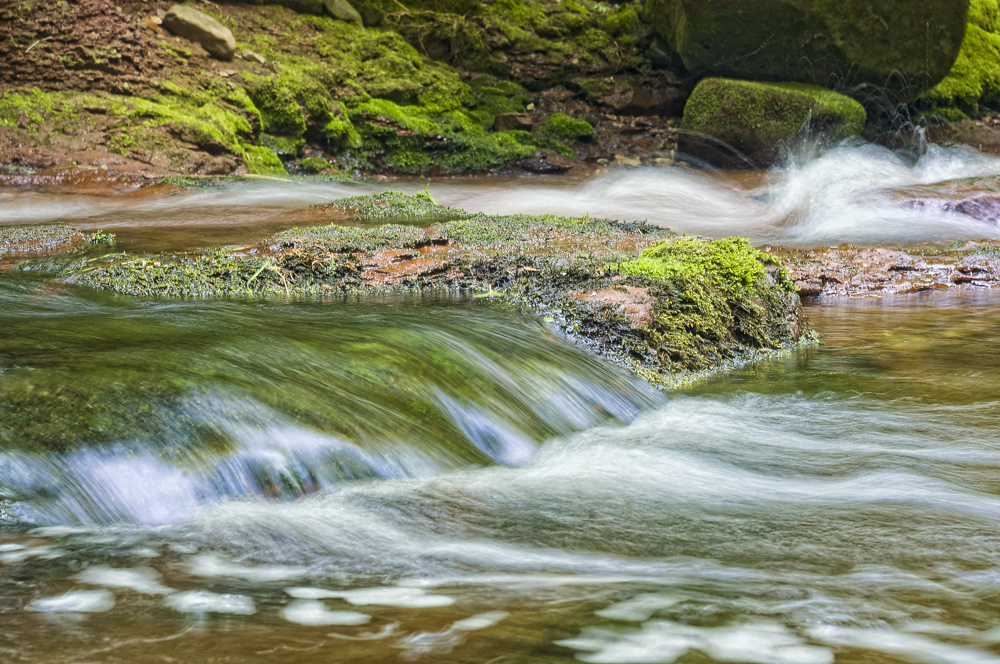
<point>447,480</point>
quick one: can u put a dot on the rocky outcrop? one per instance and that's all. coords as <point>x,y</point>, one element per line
<point>190,23</point>
<point>741,124</point>
<point>867,47</point>
<point>858,272</point>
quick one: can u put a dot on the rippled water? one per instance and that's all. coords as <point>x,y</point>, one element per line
<point>446,480</point>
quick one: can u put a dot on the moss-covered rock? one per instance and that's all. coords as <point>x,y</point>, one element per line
<point>974,80</point>
<point>758,119</point>
<point>866,48</point>
<point>535,43</point>
<point>668,308</point>
<point>564,128</point>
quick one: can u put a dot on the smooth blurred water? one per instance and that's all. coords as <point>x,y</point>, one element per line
<point>856,192</point>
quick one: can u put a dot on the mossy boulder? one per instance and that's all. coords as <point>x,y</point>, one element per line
<point>868,48</point>
<point>733,123</point>
<point>974,80</point>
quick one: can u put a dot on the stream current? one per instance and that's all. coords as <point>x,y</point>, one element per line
<point>448,480</point>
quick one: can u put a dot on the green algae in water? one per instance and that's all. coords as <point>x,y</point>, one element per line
<point>86,369</point>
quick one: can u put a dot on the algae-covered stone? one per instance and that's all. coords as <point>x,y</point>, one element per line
<point>867,47</point>
<point>975,77</point>
<point>188,22</point>
<point>758,119</point>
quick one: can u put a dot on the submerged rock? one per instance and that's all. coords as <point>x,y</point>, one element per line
<point>870,47</point>
<point>190,23</point>
<point>758,119</point>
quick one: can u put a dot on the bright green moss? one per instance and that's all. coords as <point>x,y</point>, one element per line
<point>395,206</point>
<point>733,261</point>
<point>975,77</point>
<point>262,161</point>
<point>490,97</point>
<point>562,127</point>
<point>412,139</point>
<point>314,165</point>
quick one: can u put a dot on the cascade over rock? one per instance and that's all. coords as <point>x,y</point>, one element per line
<point>758,119</point>
<point>865,48</point>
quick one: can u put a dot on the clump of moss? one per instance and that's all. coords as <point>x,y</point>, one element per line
<point>413,139</point>
<point>314,165</point>
<point>394,205</point>
<point>16,240</point>
<point>100,237</point>
<point>562,127</point>
<point>262,161</point>
<point>731,261</point>
<point>974,79</point>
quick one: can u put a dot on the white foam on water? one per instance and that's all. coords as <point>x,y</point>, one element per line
<point>45,552</point>
<point>640,608</point>
<point>140,579</point>
<point>203,601</point>
<point>663,642</point>
<point>75,601</point>
<point>6,548</point>
<point>312,612</point>
<point>213,565</point>
<point>909,647</point>
<point>405,597</point>
<point>841,195</point>
<point>479,621</point>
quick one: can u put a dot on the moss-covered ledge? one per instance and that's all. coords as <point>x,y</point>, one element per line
<point>670,308</point>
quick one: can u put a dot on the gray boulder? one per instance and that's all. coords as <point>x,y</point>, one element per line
<point>186,21</point>
<point>344,11</point>
<point>866,48</point>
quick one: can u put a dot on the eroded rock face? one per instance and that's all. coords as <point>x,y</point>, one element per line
<point>757,119</point>
<point>186,21</point>
<point>870,47</point>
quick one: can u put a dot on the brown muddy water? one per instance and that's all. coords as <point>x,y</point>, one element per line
<point>446,480</point>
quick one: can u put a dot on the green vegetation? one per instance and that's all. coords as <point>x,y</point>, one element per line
<point>759,118</point>
<point>974,80</point>
<point>733,262</point>
<point>100,237</point>
<point>16,240</point>
<point>393,205</point>
<point>562,127</point>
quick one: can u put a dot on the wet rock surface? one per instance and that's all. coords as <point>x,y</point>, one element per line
<point>186,21</point>
<point>852,271</point>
